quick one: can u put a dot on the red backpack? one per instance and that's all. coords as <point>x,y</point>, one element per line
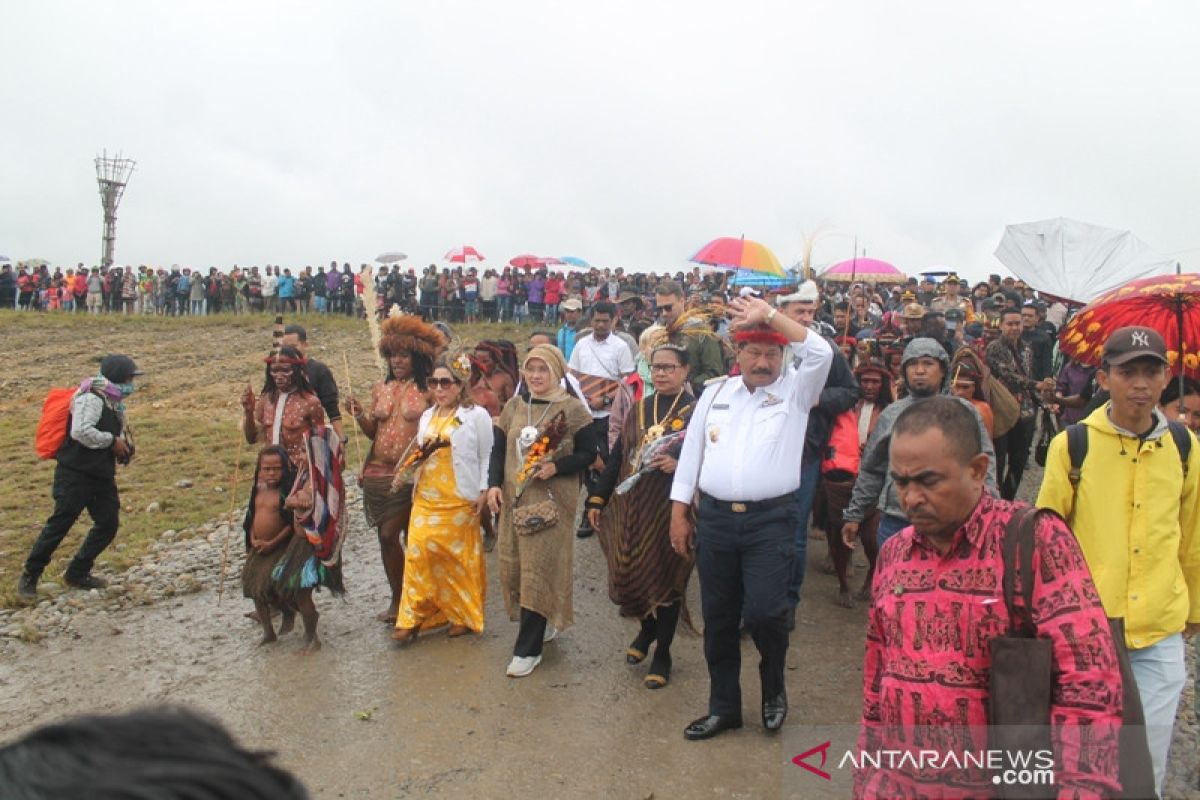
<point>52,425</point>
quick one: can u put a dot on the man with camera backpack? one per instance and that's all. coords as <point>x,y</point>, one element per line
<point>86,476</point>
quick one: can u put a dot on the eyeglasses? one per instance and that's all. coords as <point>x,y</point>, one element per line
<point>663,367</point>
<point>443,383</point>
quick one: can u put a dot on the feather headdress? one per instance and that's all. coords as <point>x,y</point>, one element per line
<point>409,333</point>
<point>693,322</point>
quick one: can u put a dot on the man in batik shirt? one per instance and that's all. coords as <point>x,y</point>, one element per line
<point>938,602</point>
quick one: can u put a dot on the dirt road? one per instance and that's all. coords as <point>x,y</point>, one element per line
<point>443,720</point>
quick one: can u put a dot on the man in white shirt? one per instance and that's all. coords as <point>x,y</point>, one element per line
<point>270,288</point>
<point>742,455</point>
<point>600,355</point>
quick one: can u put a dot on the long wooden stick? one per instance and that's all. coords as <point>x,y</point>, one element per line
<point>353,422</point>
<point>233,494</point>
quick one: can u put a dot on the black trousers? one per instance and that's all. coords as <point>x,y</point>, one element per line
<point>73,492</point>
<point>744,561</point>
<point>531,634</point>
<point>590,476</point>
<point>1012,453</point>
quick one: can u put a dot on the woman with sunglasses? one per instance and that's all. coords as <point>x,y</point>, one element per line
<point>444,575</point>
<point>647,579</point>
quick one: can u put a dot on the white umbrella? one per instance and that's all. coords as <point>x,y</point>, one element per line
<point>1076,260</point>
<point>390,257</point>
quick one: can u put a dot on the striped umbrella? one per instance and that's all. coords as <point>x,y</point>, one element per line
<point>463,255</point>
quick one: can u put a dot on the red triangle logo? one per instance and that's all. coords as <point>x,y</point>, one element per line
<point>823,749</point>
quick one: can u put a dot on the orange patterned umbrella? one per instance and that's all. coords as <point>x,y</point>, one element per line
<point>1168,303</point>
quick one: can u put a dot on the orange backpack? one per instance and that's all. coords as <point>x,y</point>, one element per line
<point>52,425</point>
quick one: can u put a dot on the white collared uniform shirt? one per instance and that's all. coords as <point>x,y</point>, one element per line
<point>605,358</point>
<point>743,445</point>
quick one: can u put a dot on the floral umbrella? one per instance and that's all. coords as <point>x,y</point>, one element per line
<point>867,270</point>
<point>1170,304</point>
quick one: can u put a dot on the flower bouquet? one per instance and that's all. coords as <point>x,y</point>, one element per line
<point>543,447</point>
<point>670,444</point>
<point>415,455</point>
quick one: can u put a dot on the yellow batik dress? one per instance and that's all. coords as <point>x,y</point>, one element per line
<point>444,568</point>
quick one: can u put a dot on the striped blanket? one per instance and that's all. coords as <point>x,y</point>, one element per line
<point>324,523</point>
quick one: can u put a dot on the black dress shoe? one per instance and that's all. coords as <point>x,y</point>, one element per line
<point>774,712</point>
<point>709,726</point>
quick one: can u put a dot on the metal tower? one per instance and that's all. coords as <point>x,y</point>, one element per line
<point>112,174</point>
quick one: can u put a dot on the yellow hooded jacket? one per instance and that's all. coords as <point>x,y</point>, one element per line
<point>1136,521</point>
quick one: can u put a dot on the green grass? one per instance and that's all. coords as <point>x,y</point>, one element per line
<point>184,416</point>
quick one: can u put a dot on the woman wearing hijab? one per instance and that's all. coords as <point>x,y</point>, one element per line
<point>544,440</point>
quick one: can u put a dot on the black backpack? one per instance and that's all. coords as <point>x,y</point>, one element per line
<point>1077,447</point>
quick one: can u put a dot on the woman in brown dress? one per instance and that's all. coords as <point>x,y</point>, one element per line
<point>544,440</point>
<point>647,579</point>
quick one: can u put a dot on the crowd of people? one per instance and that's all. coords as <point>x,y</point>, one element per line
<point>691,426</point>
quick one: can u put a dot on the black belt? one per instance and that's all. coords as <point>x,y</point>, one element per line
<point>749,505</point>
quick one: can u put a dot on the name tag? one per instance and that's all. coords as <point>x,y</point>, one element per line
<point>720,406</point>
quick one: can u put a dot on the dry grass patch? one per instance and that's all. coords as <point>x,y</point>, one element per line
<point>184,415</point>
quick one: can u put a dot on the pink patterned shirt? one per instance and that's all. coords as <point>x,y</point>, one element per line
<point>931,622</point>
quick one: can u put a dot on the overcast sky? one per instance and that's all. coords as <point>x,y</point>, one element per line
<point>626,133</point>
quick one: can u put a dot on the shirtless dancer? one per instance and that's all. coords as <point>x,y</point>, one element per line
<point>268,525</point>
<point>287,408</point>
<point>410,347</point>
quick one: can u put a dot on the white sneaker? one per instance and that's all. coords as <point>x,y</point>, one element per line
<point>521,666</point>
<point>550,634</point>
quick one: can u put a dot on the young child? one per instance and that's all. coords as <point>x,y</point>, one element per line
<point>268,525</point>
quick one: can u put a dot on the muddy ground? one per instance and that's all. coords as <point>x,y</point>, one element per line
<point>442,718</point>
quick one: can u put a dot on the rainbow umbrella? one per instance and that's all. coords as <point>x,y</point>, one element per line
<point>1170,304</point>
<point>741,253</point>
<point>870,270</point>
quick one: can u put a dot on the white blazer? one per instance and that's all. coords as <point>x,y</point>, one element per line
<point>470,449</point>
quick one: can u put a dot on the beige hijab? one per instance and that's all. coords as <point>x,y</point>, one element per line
<point>553,359</point>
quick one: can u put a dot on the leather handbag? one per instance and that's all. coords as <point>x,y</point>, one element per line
<point>535,517</point>
<point>1021,679</point>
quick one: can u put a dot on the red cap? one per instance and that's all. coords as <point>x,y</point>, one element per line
<point>760,335</point>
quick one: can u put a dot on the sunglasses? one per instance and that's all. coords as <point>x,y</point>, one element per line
<point>441,383</point>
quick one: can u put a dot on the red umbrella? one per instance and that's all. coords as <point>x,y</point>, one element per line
<point>528,262</point>
<point>1170,304</point>
<point>463,255</point>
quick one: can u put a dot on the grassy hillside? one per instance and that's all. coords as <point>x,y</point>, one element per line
<point>184,415</point>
